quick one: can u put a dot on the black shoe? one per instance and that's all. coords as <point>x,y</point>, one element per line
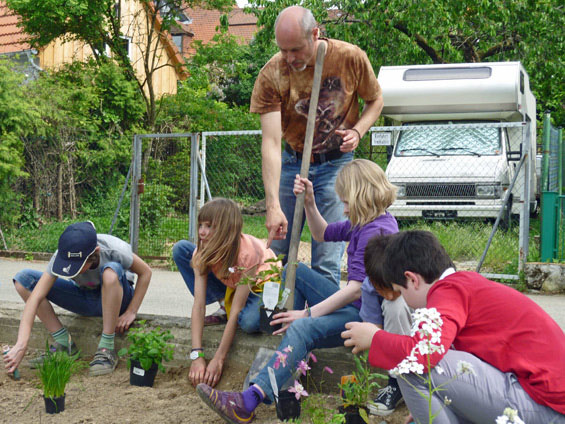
<point>388,398</point>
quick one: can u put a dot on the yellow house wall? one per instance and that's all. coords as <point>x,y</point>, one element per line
<point>134,25</point>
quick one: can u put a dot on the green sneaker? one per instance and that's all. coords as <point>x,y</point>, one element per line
<point>56,347</point>
<point>104,362</point>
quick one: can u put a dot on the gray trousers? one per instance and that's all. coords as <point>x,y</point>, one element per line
<point>478,398</point>
<point>397,317</point>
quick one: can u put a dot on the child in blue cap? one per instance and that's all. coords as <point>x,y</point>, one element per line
<point>87,275</point>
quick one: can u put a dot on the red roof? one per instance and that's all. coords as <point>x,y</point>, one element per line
<point>205,23</point>
<point>12,38</point>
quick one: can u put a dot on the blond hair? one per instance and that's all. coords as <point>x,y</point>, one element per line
<point>225,219</point>
<point>364,186</point>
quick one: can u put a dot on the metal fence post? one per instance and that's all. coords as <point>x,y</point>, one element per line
<point>524,231</point>
<point>192,224</point>
<point>134,202</point>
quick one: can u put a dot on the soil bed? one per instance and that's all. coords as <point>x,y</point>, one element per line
<point>111,399</point>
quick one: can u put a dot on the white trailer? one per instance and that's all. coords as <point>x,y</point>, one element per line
<point>462,130</point>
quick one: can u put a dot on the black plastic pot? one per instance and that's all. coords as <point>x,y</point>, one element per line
<point>54,405</point>
<point>265,321</point>
<point>288,406</point>
<point>139,377</point>
<point>352,415</point>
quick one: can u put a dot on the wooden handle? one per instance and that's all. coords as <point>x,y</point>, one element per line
<point>306,153</point>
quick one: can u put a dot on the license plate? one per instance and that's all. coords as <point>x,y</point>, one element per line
<point>439,214</point>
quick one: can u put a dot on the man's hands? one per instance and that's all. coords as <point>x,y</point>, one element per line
<point>350,139</point>
<point>200,373</point>
<point>359,335</point>
<point>13,358</point>
<point>276,224</point>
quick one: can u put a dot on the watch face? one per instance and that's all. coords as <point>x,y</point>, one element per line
<point>195,354</point>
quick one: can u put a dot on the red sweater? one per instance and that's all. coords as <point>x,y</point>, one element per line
<point>497,324</point>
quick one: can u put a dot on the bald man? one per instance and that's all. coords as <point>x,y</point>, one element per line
<point>281,96</point>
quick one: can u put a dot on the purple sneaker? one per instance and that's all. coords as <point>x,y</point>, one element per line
<point>228,405</point>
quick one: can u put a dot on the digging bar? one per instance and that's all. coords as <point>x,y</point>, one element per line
<point>306,153</point>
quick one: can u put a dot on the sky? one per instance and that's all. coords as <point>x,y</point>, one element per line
<point>242,3</point>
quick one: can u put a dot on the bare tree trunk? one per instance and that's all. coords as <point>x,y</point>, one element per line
<point>72,190</point>
<point>60,192</point>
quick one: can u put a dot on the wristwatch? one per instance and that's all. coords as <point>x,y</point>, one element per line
<point>196,353</point>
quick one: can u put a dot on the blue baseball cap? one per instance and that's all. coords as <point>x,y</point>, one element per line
<point>76,244</point>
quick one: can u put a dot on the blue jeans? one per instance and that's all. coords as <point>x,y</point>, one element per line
<point>306,334</point>
<point>248,318</point>
<point>81,301</point>
<point>326,257</point>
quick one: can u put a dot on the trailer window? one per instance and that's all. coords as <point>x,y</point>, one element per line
<point>433,74</point>
<point>449,142</point>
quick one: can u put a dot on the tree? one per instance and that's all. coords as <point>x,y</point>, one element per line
<point>101,24</point>
<point>404,32</point>
<point>15,118</point>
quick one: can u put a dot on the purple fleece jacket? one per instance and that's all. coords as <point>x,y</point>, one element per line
<point>358,237</point>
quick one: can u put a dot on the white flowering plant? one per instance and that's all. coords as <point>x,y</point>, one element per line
<point>427,323</point>
<point>509,416</point>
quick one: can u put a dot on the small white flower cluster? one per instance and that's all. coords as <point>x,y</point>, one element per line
<point>510,416</point>
<point>427,322</point>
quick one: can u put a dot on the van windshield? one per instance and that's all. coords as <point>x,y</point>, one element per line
<point>446,141</point>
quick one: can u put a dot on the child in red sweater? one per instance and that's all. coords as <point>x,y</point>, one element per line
<point>515,349</point>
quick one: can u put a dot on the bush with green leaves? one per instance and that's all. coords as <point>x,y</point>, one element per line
<point>56,370</point>
<point>148,346</point>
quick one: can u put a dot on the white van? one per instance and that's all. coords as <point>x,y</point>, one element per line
<point>460,135</point>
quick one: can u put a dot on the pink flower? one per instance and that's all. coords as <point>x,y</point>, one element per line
<point>329,370</point>
<point>303,367</point>
<point>314,359</point>
<point>288,349</point>
<point>281,360</point>
<point>298,390</point>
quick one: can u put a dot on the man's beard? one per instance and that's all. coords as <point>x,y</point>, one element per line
<point>302,68</point>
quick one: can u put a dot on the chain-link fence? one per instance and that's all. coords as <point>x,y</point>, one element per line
<point>457,179</point>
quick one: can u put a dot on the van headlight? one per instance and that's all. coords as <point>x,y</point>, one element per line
<point>490,191</point>
<point>400,190</point>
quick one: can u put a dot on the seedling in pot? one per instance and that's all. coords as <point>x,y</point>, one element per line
<point>54,373</point>
<point>149,349</point>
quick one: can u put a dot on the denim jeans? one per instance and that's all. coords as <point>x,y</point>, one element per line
<point>248,318</point>
<point>475,398</point>
<point>81,301</point>
<point>306,334</point>
<point>326,257</point>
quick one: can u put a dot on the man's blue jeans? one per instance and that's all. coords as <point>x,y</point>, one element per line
<point>248,318</point>
<point>326,257</point>
<point>306,334</point>
<point>81,301</point>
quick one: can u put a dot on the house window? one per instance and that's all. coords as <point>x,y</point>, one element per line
<point>126,44</point>
<point>177,39</point>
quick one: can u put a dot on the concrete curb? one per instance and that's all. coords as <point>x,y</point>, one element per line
<point>86,333</point>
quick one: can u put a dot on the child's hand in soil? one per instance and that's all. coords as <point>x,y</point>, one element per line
<point>13,358</point>
<point>197,371</point>
<point>287,318</point>
<point>213,372</point>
